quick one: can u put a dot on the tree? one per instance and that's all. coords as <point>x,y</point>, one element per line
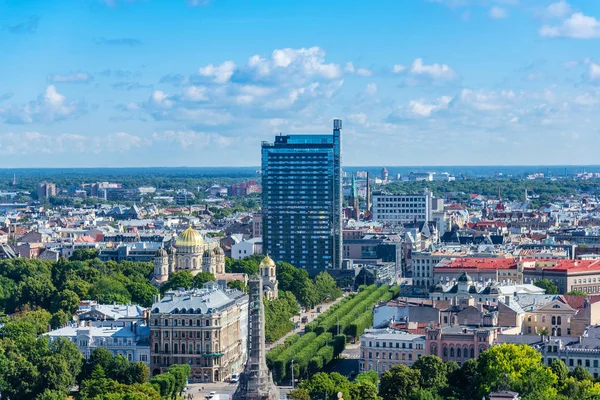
<point>432,372</point>
<point>109,290</point>
<point>561,371</point>
<point>237,284</point>
<point>84,254</point>
<point>203,277</point>
<point>326,289</point>
<point>369,376</point>
<point>518,367</point>
<point>364,391</point>
<point>182,279</point>
<point>581,374</point>
<point>577,293</point>
<point>399,383</point>
<point>547,285</point>
<point>65,300</point>
<point>299,394</point>
<point>142,293</point>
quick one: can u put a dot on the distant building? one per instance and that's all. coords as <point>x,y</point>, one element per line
<point>204,328</point>
<point>96,187</point>
<point>184,197</point>
<point>120,194</point>
<point>403,208</point>
<point>45,190</point>
<point>384,175</point>
<point>302,200</point>
<point>244,189</point>
<point>459,343</point>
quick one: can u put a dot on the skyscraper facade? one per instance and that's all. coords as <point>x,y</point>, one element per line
<point>302,199</point>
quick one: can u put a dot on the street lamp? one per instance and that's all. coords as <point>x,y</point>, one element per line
<point>292,374</point>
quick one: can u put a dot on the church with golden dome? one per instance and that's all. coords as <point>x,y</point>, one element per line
<point>189,252</point>
<point>268,273</point>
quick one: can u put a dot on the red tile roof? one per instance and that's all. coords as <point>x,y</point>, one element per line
<point>578,302</point>
<point>479,263</point>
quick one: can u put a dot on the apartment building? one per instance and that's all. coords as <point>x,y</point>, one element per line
<point>381,349</point>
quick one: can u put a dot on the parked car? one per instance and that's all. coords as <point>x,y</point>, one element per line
<point>305,320</point>
<point>235,378</point>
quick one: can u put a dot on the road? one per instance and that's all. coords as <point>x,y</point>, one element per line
<point>224,389</point>
<point>311,314</point>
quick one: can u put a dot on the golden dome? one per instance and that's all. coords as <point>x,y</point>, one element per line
<point>267,262</point>
<point>189,238</point>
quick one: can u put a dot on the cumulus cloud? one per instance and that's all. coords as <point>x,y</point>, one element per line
<point>594,72</point>
<point>434,71</point>
<point>560,9</point>
<point>49,107</point>
<point>483,100</point>
<point>73,77</point>
<point>220,73</point>
<point>498,13</point>
<point>577,26</point>
<point>419,108</point>
<point>358,71</point>
<point>399,68</point>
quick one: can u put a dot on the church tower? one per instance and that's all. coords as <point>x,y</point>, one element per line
<point>219,260</point>
<point>161,266</point>
<point>268,273</point>
<point>209,261</point>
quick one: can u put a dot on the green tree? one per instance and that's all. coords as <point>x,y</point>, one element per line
<point>519,367</point>
<point>237,284</point>
<point>547,285</point>
<point>399,383</point>
<point>203,277</point>
<point>84,254</point>
<point>577,293</point>
<point>364,391</point>
<point>182,279</point>
<point>108,290</point>
<point>142,293</point>
<point>369,376</point>
<point>581,374</point>
<point>326,289</point>
<point>65,300</point>
<point>432,372</point>
<point>561,371</point>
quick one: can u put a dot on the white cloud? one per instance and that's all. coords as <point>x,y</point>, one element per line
<point>594,71</point>
<point>74,77</point>
<point>358,71</point>
<point>306,62</point>
<point>371,89</point>
<point>560,9</point>
<point>418,108</point>
<point>498,13</point>
<point>571,64</point>
<point>49,107</point>
<point>220,73</point>
<point>434,71</point>
<point>577,26</point>
<point>194,93</point>
<point>399,68</point>
<point>358,118</point>
<point>486,101</point>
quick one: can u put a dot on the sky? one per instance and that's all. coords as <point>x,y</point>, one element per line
<point>120,83</point>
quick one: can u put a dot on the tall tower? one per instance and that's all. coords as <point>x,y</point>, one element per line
<point>302,199</point>
<point>368,194</point>
<point>256,382</point>
<point>354,199</point>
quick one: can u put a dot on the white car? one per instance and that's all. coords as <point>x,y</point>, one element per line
<point>235,378</point>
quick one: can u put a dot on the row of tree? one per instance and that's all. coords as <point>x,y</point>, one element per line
<point>318,346</point>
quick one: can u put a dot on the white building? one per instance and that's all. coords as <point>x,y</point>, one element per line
<point>246,248</point>
<point>121,329</point>
<point>402,208</point>
<point>381,349</point>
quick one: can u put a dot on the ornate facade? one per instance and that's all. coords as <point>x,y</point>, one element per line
<point>189,253</point>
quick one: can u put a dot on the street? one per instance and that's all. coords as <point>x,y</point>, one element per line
<point>224,389</point>
<point>311,314</point>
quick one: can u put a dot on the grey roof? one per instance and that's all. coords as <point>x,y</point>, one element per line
<point>199,301</point>
<point>115,312</point>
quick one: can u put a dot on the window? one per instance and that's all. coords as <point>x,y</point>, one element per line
<point>558,321</point>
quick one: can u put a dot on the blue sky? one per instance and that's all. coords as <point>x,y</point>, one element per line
<point>88,83</point>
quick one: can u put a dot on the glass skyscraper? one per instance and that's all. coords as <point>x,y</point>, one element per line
<point>302,199</point>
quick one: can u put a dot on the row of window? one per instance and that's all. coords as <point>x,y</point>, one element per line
<point>189,349</point>
<point>397,345</point>
<point>190,335</point>
<point>390,355</point>
<point>184,322</point>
